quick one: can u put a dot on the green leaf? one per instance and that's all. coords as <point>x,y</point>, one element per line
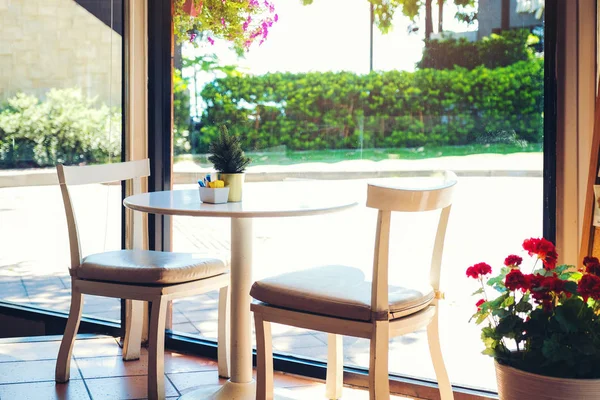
<point>571,287</point>
<point>501,313</point>
<point>478,291</point>
<point>523,307</point>
<point>510,326</point>
<point>481,317</point>
<point>568,315</point>
<point>498,301</point>
<point>489,352</point>
<point>509,301</point>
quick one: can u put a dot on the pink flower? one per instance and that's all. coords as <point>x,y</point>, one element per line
<point>270,6</point>
<point>276,18</point>
<point>210,40</point>
<point>222,21</point>
<point>247,23</point>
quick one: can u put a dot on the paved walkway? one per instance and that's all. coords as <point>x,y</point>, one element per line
<point>490,219</point>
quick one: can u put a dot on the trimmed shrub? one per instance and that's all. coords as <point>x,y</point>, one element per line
<point>494,51</point>
<point>66,127</point>
<point>311,111</point>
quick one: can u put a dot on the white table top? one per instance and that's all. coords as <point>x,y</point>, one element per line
<point>281,204</point>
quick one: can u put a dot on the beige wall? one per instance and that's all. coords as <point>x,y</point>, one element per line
<point>48,44</point>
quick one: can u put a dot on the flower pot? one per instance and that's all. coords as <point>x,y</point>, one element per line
<point>514,384</point>
<point>190,8</point>
<point>214,195</point>
<point>234,182</point>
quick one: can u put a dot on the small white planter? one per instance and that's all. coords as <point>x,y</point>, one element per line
<point>214,195</point>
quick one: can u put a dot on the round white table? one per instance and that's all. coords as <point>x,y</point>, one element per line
<point>284,203</point>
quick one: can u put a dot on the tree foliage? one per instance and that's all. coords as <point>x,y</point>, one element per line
<point>181,114</point>
<point>384,10</point>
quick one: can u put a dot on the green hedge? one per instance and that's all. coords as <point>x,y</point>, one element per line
<point>66,127</point>
<point>387,109</point>
<point>494,51</point>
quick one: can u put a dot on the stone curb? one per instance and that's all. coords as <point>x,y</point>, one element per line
<point>45,177</point>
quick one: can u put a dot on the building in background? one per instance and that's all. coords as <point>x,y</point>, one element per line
<point>489,15</point>
<point>61,44</point>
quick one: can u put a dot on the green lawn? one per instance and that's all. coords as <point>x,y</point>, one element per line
<point>331,156</point>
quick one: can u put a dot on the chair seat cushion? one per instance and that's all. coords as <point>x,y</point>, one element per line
<point>337,291</point>
<point>148,267</point>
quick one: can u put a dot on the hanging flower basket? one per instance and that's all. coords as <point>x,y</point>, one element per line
<point>241,23</point>
<point>191,9</point>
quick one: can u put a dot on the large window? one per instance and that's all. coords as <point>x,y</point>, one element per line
<point>311,112</point>
<point>60,102</point>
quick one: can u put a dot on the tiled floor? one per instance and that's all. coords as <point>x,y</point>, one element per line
<point>98,372</point>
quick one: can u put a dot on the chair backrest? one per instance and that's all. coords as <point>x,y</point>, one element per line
<point>76,175</point>
<point>388,198</point>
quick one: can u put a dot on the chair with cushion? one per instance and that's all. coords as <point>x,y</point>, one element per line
<point>136,275</point>
<point>340,301</point>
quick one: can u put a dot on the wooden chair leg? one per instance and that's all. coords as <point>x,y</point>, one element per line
<point>133,329</point>
<point>156,350</point>
<point>433,337</point>
<point>63,362</point>
<point>335,366</point>
<point>264,363</point>
<point>379,384</point>
<point>223,337</point>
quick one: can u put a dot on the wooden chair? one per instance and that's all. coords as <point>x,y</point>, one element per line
<point>340,301</point>
<point>137,275</point>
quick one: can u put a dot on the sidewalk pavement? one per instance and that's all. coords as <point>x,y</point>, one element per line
<point>476,165</point>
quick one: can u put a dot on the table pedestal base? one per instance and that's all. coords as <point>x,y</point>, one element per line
<point>228,391</point>
<point>235,391</point>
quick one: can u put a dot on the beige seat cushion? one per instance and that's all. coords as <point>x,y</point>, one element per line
<point>148,267</point>
<point>337,291</point>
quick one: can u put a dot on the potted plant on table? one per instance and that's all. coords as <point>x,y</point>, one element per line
<point>230,161</point>
<point>543,328</point>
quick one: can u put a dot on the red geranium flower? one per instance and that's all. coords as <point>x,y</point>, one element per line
<point>479,303</point>
<point>589,286</point>
<point>588,260</point>
<point>554,284</point>
<point>516,280</point>
<point>478,270</point>
<point>538,287</point>
<point>592,265</point>
<point>544,249</point>
<point>513,260</point>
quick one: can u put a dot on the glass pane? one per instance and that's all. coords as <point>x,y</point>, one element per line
<point>314,118</point>
<point>60,102</point>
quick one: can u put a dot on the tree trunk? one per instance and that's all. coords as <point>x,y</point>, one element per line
<point>440,16</point>
<point>505,21</point>
<point>428,18</point>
